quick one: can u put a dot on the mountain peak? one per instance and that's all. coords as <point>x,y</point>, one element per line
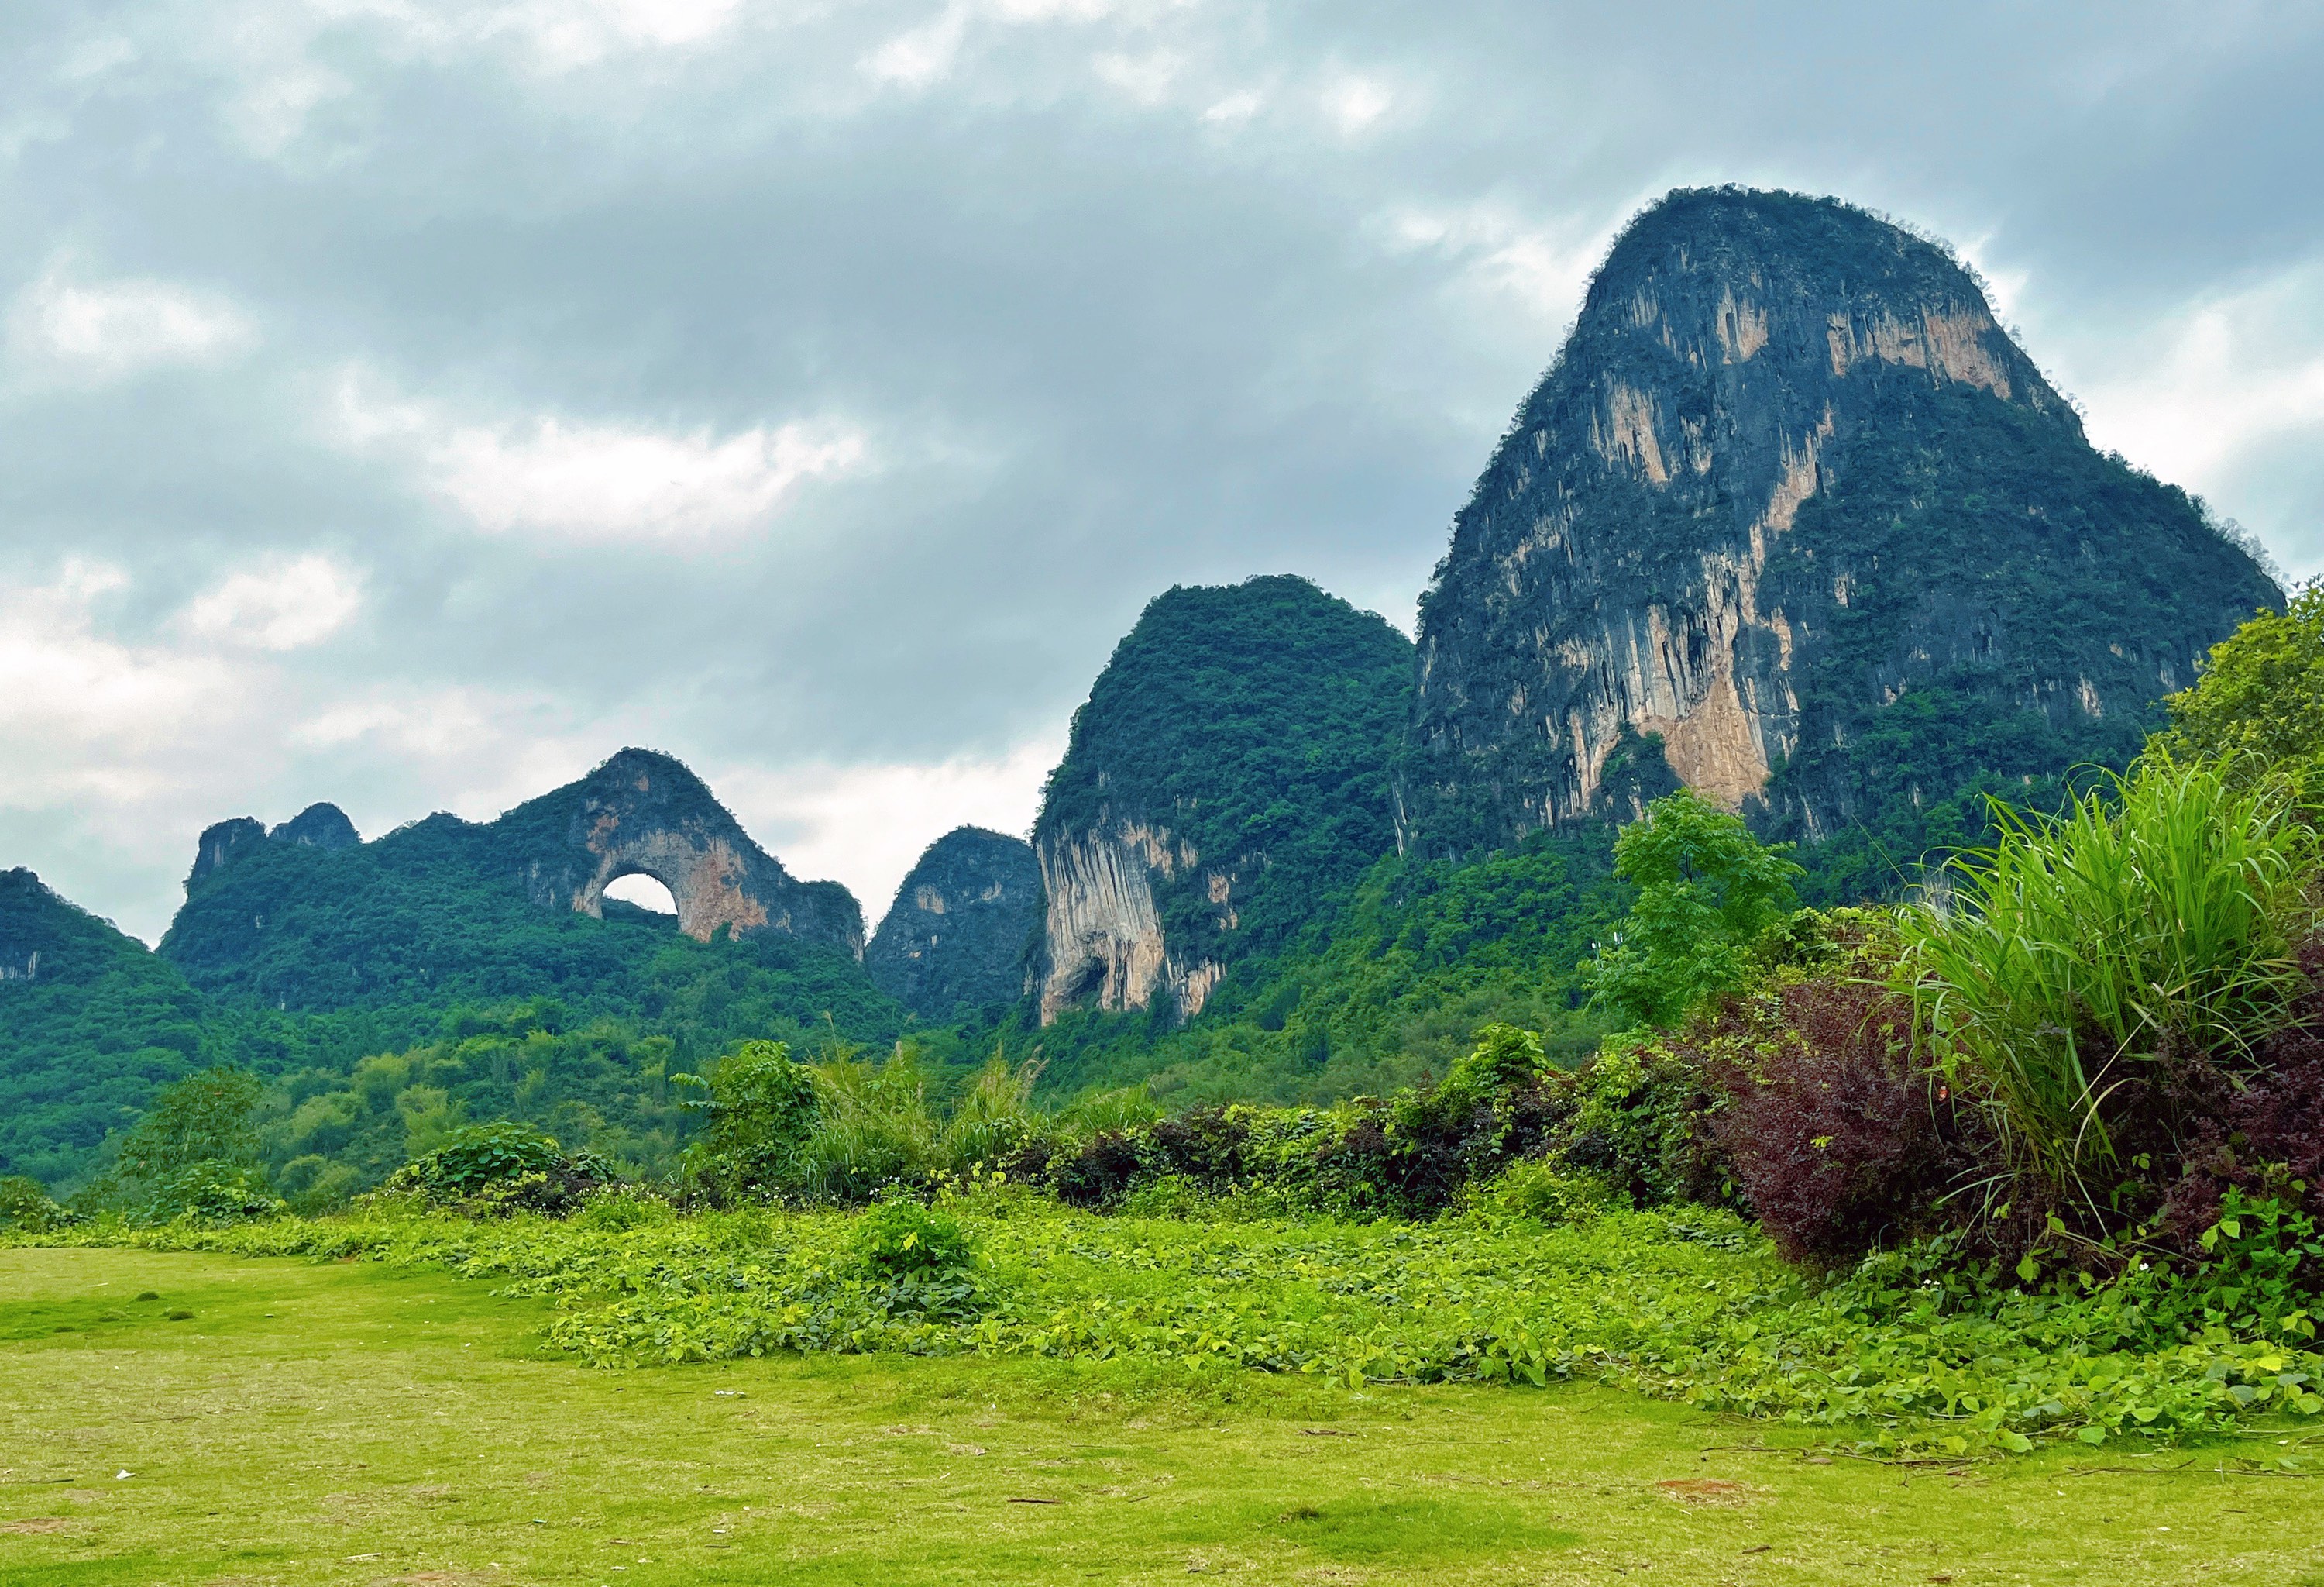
<point>1787,471</point>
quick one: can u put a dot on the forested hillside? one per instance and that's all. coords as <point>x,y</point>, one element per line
<point>90,1023</point>
<point>1225,784</point>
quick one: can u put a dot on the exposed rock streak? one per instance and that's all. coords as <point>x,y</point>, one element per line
<point>1105,945</point>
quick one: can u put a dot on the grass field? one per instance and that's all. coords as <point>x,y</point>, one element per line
<point>355,1423</point>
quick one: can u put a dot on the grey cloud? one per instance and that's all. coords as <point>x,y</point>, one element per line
<point>1095,342</point>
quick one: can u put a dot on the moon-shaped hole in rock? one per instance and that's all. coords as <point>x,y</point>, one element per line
<point>645,891</point>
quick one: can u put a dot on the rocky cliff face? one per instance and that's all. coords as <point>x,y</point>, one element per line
<point>1228,774</point>
<point>318,826</point>
<point>645,813</point>
<point>962,923</point>
<point>23,899</point>
<point>1789,490</point>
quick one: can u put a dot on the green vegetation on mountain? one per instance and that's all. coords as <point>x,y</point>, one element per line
<point>2259,708</point>
<point>2086,569</point>
<point>90,1023</point>
<point>1256,724</point>
<point>1791,494</point>
<point>434,917</point>
<point>304,965</point>
<point>1388,988</point>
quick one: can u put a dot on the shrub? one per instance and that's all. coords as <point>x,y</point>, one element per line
<point>1839,1136</point>
<point>204,1118</point>
<point>760,1109</point>
<point>1108,1113</point>
<point>313,1183</point>
<point>2159,916</point>
<point>503,1167</point>
<point>1503,1060</point>
<point>2259,705</point>
<point>624,1206</point>
<point>1706,889</point>
<point>25,1204</point>
<point>922,1261</point>
<point>995,1121</point>
<point>871,1131</point>
<point>210,1194</point>
<point>1548,1193</point>
<point>2262,1136</point>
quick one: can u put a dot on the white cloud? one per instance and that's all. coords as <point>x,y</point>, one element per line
<point>1541,269</point>
<point>921,56</point>
<point>98,331</point>
<point>285,607</point>
<point>597,482</point>
<point>605,483</point>
<point>2231,373</point>
<point>1144,79</point>
<point>865,825</point>
<point>1236,109</point>
<point>552,35</point>
<point>1354,103</point>
<point>87,716</point>
<point>281,60</point>
<point>429,723</point>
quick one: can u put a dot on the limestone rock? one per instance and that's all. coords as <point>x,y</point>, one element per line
<point>1787,490</point>
<point>23,898</point>
<point>223,844</point>
<point>961,924</point>
<point>318,827</point>
<point>644,814</point>
<point>641,813</point>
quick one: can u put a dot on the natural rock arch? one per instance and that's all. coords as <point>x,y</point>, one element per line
<point>707,882</point>
<point>644,814</point>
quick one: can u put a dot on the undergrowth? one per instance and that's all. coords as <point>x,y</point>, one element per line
<point>1907,1353</point>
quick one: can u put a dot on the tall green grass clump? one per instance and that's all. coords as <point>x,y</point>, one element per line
<point>2158,918</point>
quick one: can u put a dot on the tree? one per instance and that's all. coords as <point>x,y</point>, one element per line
<point>204,1118</point>
<point>759,1106</point>
<point>1706,889</point>
<point>2260,699</point>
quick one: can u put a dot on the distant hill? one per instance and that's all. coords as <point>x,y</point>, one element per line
<point>302,949</point>
<point>447,909</point>
<point>91,1022</point>
<point>961,928</point>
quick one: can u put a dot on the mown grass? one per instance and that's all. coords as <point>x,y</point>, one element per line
<point>356,1423</point>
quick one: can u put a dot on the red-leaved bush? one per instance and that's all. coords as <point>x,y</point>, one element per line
<point>2264,1133</point>
<point>1836,1137</point>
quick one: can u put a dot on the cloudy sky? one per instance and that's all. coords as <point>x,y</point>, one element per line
<point>409,402</point>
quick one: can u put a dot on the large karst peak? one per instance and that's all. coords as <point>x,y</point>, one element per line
<point>1790,487</point>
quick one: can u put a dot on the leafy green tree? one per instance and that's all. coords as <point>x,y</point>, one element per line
<point>204,1118</point>
<point>2261,700</point>
<point>758,1108</point>
<point>1706,889</point>
<point>25,1204</point>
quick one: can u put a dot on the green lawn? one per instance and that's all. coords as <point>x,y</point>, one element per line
<point>356,1423</point>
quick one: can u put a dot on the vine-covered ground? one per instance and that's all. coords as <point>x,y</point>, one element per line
<point>374,1422</point>
<point>1682,1304</point>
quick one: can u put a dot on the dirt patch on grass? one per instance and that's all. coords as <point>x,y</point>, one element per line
<point>1704,1490</point>
<point>39,1525</point>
